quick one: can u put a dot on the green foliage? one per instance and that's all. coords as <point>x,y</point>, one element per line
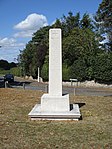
<point>78,70</point>
<point>70,22</point>
<point>86,22</point>
<point>4,65</point>
<point>12,65</point>
<point>57,24</point>
<point>26,59</point>
<point>16,71</point>
<point>33,55</point>
<point>3,72</point>
<point>45,70</point>
<point>104,21</point>
<point>80,43</point>
<point>83,56</point>
<point>103,67</point>
<point>65,72</point>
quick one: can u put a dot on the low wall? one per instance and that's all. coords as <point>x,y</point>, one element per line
<point>87,84</point>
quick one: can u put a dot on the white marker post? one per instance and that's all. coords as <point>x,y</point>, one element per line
<point>38,75</point>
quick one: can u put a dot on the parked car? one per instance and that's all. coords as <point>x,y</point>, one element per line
<point>9,78</point>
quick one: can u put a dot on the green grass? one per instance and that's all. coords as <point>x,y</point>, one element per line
<point>17,131</point>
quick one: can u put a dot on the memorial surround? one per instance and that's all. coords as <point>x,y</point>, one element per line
<point>55,105</point>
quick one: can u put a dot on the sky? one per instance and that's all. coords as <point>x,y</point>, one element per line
<point>19,19</point>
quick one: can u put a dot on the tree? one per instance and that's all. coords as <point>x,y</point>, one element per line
<point>34,54</point>
<point>45,69</point>
<point>41,36</point>
<point>103,67</point>
<point>38,58</point>
<point>70,22</point>
<point>4,65</point>
<point>12,65</point>
<point>57,24</point>
<point>78,70</point>
<point>86,22</point>
<point>80,43</point>
<point>104,21</point>
<point>81,50</point>
<point>26,59</point>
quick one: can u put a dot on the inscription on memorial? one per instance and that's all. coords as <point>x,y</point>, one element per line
<point>55,34</point>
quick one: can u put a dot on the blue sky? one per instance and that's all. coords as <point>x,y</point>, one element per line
<point>21,18</point>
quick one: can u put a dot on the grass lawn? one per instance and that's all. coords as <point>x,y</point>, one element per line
<point>17,131</point>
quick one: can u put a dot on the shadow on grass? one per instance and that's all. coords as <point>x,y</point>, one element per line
<point>79,104</point>
<point>108,95</point>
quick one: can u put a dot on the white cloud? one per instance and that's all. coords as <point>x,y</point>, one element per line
<point>9,55</point>
<point>6,43</point>
<point>31,24</point>
<point>24,34</point>
<point>10,48</point>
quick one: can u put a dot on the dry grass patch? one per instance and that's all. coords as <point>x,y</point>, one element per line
<point>17,131</point>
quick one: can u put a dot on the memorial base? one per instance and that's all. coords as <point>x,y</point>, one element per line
<point>55,103</point>
<point>55,108</point>
<point>37,114</point>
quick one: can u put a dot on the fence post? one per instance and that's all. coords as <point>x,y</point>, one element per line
<point>24,86</point>
<point>6,83</point>
<point>46,88</point>
<point>74,91</point>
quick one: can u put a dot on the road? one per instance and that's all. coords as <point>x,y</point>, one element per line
<point>31,85</point>
<point>75,91</point>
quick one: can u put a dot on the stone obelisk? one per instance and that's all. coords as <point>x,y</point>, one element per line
<point>55,62</point>
<point>54,101</point>
<point>54,105</point>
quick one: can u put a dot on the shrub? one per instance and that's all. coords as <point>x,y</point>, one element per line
<point>15,71</point>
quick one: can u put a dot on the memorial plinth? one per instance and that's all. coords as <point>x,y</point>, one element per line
<point>54,105</point>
